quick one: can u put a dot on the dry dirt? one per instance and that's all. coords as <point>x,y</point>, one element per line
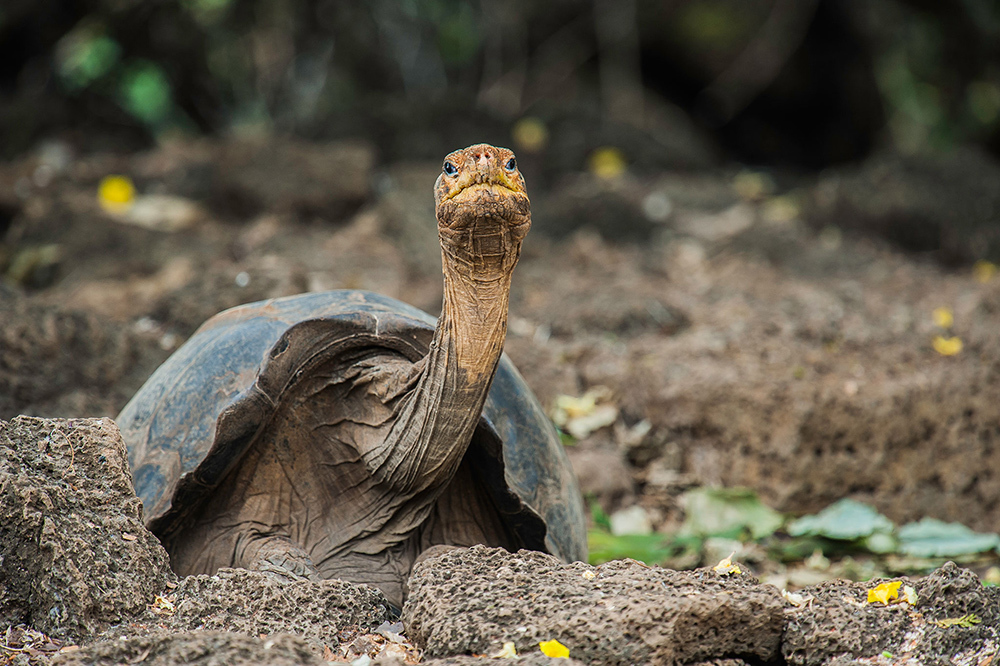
<point>740,345</point>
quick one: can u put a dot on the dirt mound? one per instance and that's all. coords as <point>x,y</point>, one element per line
<point>65,361</point>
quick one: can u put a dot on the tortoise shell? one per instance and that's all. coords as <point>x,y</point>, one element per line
<point>196,417</point>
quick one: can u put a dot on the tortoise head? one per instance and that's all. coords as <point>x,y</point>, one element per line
<point>482,208</point>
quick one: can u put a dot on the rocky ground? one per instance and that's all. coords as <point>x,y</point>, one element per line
<point>735,337</point>
<point>85,583</point>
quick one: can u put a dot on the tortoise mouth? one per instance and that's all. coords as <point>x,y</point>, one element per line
<point>480,191</point>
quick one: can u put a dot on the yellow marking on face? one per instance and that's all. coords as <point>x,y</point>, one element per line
<point>483,186</point>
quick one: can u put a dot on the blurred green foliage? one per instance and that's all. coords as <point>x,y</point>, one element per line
<point>322,67</point>
<point>845,529</point>
<point>87,55</point>
<point>145,92</point>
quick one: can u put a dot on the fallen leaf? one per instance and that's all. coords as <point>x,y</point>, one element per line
<point>721,511</point>
<point>884,592</point>
<point>607,162</point>
<point>943,317</point>
<point>843,520</point>
<point>508,651</point>
<point>580,416</point>
<point>116,194</point>
<point>162,606</point>
<point>929,537</point>
<point>726,567</point>
<point>947,346</point>
<point>796,599</point>
<point>984,271</point>
<point>554,649</point>
<point>530,134</point>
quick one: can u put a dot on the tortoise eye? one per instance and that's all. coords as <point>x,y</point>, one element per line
<point>450,169</point>
<point>511,164</point>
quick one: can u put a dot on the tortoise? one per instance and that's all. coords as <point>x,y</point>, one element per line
<point>346,434</point>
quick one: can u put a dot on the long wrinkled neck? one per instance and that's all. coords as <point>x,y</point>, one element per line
<point>436,423</point>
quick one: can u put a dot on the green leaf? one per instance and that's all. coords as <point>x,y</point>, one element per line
<point>85,56</point>
<point>966,621</point>
<point>934,538</point>
<point>145,92</point>
<point>728,512</point>
<point>598,514</point>
<point>845,520</point>
<point>648,548</point>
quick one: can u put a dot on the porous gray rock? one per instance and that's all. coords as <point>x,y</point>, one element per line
<point>74,554</point>
<point>837,625</point>
<point>205,648</point>
<point>537,659</point>
<point>471,601</point>
<point>255,603</point>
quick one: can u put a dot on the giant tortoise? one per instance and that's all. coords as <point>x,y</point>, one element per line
<point>343,434</point>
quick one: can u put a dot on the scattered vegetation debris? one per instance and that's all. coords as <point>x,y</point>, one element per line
<point>943,317</point>
<point>530,134</point>
<point>753,185</point>
<point>631,520</point>
<point>885,592</point>
<point>966,621</point>
<point>163,605</point>
<point>796,599</point>
<point>116,194</point>
<point>590,412</point>
<point>947,346</point>
<point>845,520</point>
<point>929,537</point>
<point>508,651</point>
<point>392,631</point>
<point>607,162</point>
<point>25,640</point>
<point>554,649</point>
<point>726,567</point>
<point>728,512</point>
<point>984,271</point>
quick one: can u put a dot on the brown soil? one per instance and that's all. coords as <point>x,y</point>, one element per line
<point>760,352</point>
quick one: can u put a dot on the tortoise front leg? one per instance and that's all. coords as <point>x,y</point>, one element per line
<point>276,555</point>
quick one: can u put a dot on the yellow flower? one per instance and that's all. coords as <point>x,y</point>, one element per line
<point>947,346</point>
<point>554,649</point>
<point>116,193</point>
<point>943,317</point>
<point>984,271</point>
<point>607,162</point>
<point>884,592</point>
<point>530,134</point>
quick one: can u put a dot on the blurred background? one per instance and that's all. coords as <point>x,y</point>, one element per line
<point>766,232</point>
<point>803,85</point>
